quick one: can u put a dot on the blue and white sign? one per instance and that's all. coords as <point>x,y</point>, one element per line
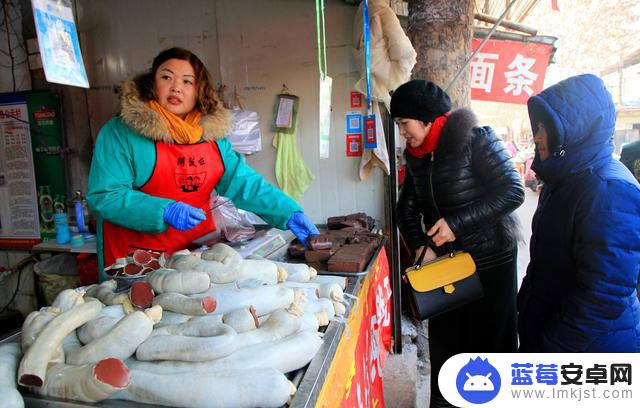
<point>534,380</point>
<point>354,122</point>
<point>58,42</point>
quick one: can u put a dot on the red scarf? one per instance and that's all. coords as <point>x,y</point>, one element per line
<point>431,140</point>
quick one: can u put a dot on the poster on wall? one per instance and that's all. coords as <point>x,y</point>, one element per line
<point>46,139</point>
<point>31,147</point>
<point>19,225</point>
<point>58,42</point>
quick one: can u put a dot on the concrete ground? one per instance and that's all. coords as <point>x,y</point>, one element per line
<point>407,376</point>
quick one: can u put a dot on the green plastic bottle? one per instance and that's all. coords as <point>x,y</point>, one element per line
<point>46,208</point>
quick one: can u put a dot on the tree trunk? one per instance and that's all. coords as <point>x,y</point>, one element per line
<point>441,32</point>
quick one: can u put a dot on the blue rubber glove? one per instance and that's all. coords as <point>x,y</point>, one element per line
<point>183,216</point>
<point>302,227</point>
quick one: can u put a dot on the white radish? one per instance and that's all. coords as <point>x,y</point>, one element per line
<point>331,291</point>
<point>189,348</point>
<point>233,388</point>
<point>228,260</point>
<point>339,308</point>
<point>170,280</point>
<point>199,326</point>
<point>319,305</point>
<point>285,355</point>
<point>10,354</point>
<point>109,316</point>
<point>186,262</point>
<point>107,295</point>
<point>121,341</point>
<point>68,298</point>
<point>340,280</point>
<point>242,319</point>
<point>222,253</point>
<point>175,302</point>
<point>260,269</point>
<point>298,272</point>
<point>170,318</point>
<point>265,299</point>
<point>33,367</point>
<point>185,252</point>
<point>113,311</point>
<point>96,328</point>
<point>218,272</point>
<point>71,343</point>
<point>310,290</point>
<point>319,280</point>
<point>308,320</point>
<point>280,324</point>
<point>313,321</point>
<point>88,383</point>
<point>90,291</point>
<point>33,326</point>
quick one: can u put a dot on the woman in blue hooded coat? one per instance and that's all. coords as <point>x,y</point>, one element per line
<point>579,293</point>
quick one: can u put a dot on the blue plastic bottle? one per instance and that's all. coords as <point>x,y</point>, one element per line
<point>62,228</point>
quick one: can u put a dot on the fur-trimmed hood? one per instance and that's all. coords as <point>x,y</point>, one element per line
<point>457,131</point>
<point>137,114</point>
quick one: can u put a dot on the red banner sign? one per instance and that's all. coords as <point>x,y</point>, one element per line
<point>508,71</point>
<point>355,376</point>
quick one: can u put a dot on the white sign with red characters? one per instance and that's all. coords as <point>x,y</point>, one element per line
<point>508,71</point>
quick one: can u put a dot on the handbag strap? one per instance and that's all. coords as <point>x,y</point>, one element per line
<point>418,262</point>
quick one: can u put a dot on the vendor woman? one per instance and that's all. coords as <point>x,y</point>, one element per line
<point>156,164</point>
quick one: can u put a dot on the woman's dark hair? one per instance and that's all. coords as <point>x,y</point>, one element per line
<point>207,99</point>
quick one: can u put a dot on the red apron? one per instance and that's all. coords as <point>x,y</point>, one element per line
<point>186,173</point>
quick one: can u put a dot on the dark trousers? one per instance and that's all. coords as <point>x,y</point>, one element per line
<point>488,325</point>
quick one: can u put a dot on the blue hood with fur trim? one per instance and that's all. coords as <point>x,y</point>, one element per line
<point>582,114</point>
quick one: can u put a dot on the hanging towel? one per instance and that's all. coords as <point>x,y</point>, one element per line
<point>392,55</point>
<point>292,174</point>
<point>379,156</point>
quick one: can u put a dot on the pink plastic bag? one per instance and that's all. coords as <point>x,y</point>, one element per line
<point>230,222</point>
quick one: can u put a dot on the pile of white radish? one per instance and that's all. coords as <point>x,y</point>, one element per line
<point>209,329</point>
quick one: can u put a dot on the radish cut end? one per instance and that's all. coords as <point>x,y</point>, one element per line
<point>141,294</point>
<point>31,380</point>
<point>132,269</point>
<point>208,304</point>
<point>113,372</point>
<point>141,257</point>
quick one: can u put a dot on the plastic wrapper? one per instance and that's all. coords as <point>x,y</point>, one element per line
<point>233,225</point>
<point>245,134</point>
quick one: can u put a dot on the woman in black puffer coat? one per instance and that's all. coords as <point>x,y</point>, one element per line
<point>463,187</point>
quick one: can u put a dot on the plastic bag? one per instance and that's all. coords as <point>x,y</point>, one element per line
<point>245,135</point>
<point>230,222</point>
<point>56,274</point>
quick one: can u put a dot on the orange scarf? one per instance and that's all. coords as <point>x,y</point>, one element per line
<point>183,131</point>
<point>431,141</point>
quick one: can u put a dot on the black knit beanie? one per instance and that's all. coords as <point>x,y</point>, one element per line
<point>419,99</point>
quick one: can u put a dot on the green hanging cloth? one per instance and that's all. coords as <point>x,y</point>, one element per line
<point>293,176</point>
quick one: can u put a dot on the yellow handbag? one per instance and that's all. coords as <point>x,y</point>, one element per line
<point>442,284</point>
